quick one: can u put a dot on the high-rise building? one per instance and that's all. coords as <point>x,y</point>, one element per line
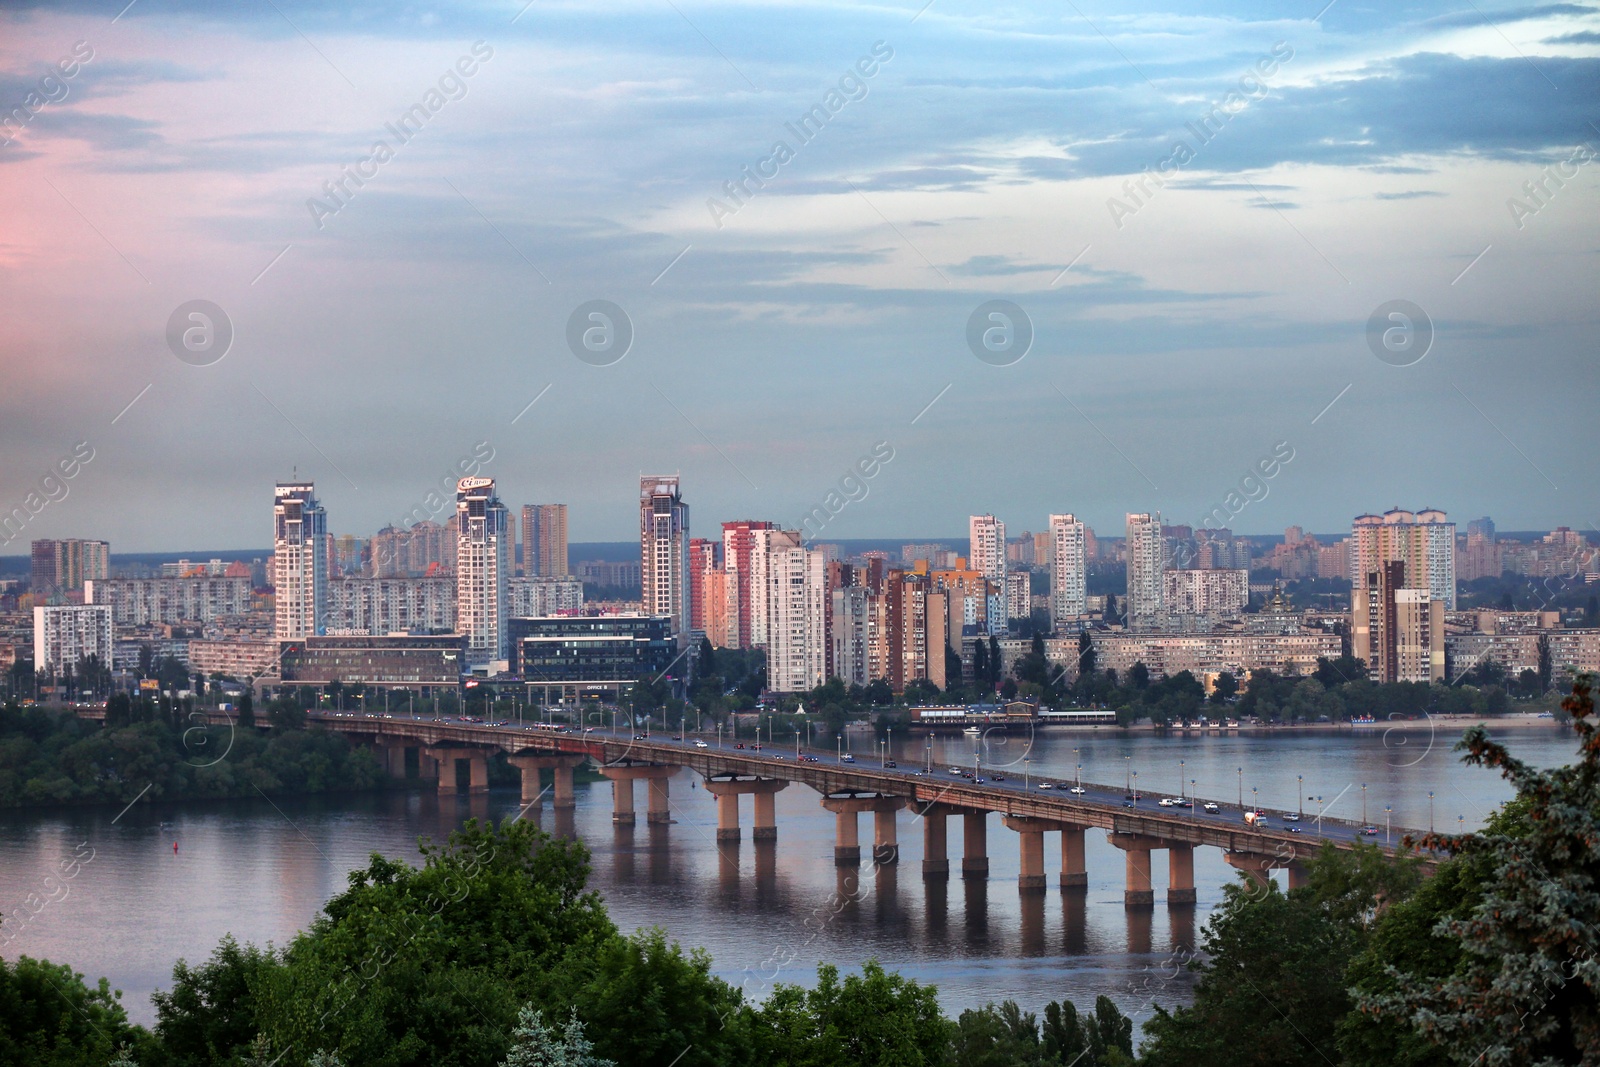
<point>739,551</point>
<point>483,567</point>
<point>1482,556</point>
<point>1019,595</point>
<point>665,582</point>
<point>1425,541</point>
<point>62,566</point>
<point>851,634</point>
<point>1069,585</point>
<point>167,601</point>
<point>797,609</point>
<point>710,593</point>
<point>1193,591</point>
<point>544,540</point>
<point>1146,558</point>
<point>300,547</point>
<point>64,635</point>
<point>1396,628</point>
<point>378,606</point>
<point>987,547</point>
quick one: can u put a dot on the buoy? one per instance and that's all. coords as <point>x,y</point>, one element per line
<point>174,848</point>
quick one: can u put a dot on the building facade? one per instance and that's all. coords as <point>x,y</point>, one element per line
<point>1146,559</point>
<point>664,578</point>
<point>545,595</point>
<point>544,540</point>
<point>1396,628</point>
<point>1215,593</point>
<point>59,567</point>
<point>65,634</point>
<point>483,569</point>
<point>391,605</point>
<point>797,619</point>
<point>167,601</point>
<point>566,660</point>
<point>1069,582</point>
<point>1425,541</point>
<point>387,661</point>
<point>986,547</point>
<point>299,561</point>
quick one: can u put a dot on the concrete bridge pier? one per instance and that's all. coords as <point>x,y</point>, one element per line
<point>657,807</point>
<point>727,791</point>
<point>531,765</point>
<point>478,780</point>
<point>1260,866</point>
<point>427,766</point>
<point>847,840</point>
<point>1138,895</point>
<point>885,845</point>
<point>1074,872</point>
<point>1180,874</point>
<point>975,845</point>
<point>935,843</point>
<point>1030,833</point>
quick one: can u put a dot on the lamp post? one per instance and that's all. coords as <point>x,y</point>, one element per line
<point>1180,780</point>
<point>1300,781</point>
<point>1363,803</point>
<point>1127,771</point>
<point>1253,804</point>
<point>929,746</point>
<point>1387,810</point>
<point>1319,815</point>
<point>1241,787</point>
<point>1430,811</point>
<point>719,735</point>
<point>1077,776</point>
<point>840,740</point>
<point>1136,789</point>
<point>1193,796</point>
<point>1025,769</point>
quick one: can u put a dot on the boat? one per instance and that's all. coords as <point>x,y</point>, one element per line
<point>972,731</point>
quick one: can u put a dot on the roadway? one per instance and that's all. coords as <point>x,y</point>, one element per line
<point>1085,803</point>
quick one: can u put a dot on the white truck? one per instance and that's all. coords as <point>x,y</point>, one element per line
<point>1255,818</point>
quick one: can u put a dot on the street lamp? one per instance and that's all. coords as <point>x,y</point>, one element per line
<point>719,735</point>
<point>1136,789</point>
<point>1253,804</point>
<point>1430,811</point>
<point>1180,780</point>
<point>929,745</point>
<point>1241,787</point>
<point>1025,768</point>
<point>1387,809</point>
<point>1319,815</point>
<point>1193,796</point>
<point>1300,781</point>
<point>1127,770</point>
<point>1077,776</point>
<point>1363,803</point>
<point>840,740</point>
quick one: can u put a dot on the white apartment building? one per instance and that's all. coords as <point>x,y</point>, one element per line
<point>64,634</point>
<point>1206,592</point>
<point>483,568</point>
<point>664,551</point>
<point>542,596</point>
<point>1069,586</point>
<point>381,606</point>
<point>986,552</point>
<point>299,561</point>
<point>797,620</point>
<point>166,601</point>
<point>1146,560</point>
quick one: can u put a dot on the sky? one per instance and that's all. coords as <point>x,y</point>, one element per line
<point>1365,236</point>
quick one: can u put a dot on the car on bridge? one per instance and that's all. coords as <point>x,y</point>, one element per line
<point>701,744</point>
<point>847,758</point>
<point>1369,831</point>
<point>1290,816</point>
<point>1210,807</point>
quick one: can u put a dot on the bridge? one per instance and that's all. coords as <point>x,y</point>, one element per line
<point>1031,807</point>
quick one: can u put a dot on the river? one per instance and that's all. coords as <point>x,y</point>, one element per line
<point>262,869</point>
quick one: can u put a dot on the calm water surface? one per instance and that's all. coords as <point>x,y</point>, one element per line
<point>261,870</point>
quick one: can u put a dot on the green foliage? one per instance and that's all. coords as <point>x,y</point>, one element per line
<point>1526,985</point>
<point>209,1013</point>
<point>535,1045</point>
<point>871,1019</point>
<point>1271,989</point>
<point>50,1018</point>
<point>650,1004</point>
<point>49,757</point>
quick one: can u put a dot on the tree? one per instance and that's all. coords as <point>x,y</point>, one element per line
<point>1527,986</point>
<point>995,1037</point>
<point>247,710</point>
<point>1271,988</point>
<point>1225,687</point>
<point>871,1019</point>
<point>209,1014</point>
<point>980,662</point>
<point>49,1016</point>
<point>1139,675</point>
<point>706,665</point>
<point>1109,1034</point>
<point>1544,664</point>
<point>535,1045</point>
<point>996,661</point>
<point>1062,1039</point>
<point>651,1004</point>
